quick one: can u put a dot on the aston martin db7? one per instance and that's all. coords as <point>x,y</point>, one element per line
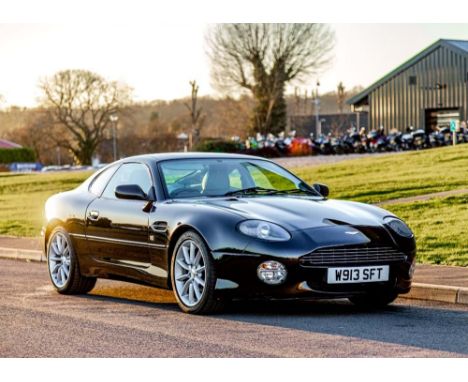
<point>217,227</point>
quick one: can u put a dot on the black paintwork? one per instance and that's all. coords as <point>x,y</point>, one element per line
<point>96,223</point>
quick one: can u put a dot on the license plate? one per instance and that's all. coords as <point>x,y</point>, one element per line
<point>358,274</point>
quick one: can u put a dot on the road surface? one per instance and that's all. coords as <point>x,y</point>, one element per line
<point>123,320</point>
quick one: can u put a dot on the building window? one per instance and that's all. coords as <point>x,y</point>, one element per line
<point>412,80</point>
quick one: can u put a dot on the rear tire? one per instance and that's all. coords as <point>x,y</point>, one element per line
<point>374,300</point>
<point>193,276</point>
<point>64,270</point>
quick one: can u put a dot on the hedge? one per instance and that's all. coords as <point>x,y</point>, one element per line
<point>221,146</point>
<point>218,145</point>
<point>22,154</point>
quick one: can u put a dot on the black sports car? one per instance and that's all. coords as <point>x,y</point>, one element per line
<point>215,227</point>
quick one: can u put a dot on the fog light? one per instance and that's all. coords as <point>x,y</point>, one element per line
<point>272,272</point>
<point>412,268</point>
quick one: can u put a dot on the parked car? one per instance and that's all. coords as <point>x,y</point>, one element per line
<point>215,227</point>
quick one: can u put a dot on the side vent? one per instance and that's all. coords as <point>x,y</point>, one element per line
<point>334,222</point>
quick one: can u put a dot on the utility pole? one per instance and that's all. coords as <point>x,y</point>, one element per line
<point>318,127</point>
<point>114,119</point>
<point>59,159</point>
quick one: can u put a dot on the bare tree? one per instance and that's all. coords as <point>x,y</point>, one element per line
<point>195,115</point>
<point>38,134</point>
<point>82,103</point>
<point>263,59</point>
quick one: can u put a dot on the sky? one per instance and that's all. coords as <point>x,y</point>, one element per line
<point>158,60</point>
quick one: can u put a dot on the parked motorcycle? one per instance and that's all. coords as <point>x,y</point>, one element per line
<point>419,139</point>
<point>353,141</point>
<point>394,141</point>
<point>323,142</point>
<point>377,141</point>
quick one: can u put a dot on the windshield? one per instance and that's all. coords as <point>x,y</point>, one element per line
<point>189,178</point>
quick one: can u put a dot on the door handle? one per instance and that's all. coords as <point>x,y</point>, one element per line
<point>93,215</point>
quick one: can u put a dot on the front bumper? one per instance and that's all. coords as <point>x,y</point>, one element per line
<point>237,277</point>
<point>237,272</point>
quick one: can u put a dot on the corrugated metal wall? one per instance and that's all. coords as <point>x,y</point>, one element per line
<point>397,104</point>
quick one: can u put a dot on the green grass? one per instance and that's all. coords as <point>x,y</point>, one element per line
<point>22,198</point>
<point>441,228</point>
<point>375,179</point>
<point>440,225</point>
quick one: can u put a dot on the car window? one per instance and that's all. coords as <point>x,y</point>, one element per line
<point>267,178</point>
<point>129,173</point>
<point>182,174</point>
<point>258,177</point>
<point>100,182</point>
<point>215,177</point>
<point>235,179</point>
<point>184,177</point>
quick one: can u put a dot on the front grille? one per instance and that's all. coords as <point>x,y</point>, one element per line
<point>351,255</point>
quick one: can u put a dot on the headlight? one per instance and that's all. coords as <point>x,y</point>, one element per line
<point>398,226</point>
<point>264,230</point>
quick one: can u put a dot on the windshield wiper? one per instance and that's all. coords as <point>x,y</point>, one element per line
<point>296,191</point>
<point>250,190</point>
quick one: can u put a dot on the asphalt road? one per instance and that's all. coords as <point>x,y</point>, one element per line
<point>122,320</point>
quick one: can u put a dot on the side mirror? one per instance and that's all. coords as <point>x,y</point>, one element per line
<point>322,189</point>
<point>130,191</point>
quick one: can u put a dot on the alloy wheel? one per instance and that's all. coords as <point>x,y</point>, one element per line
<point>189,273</point>
<point>59,259</point>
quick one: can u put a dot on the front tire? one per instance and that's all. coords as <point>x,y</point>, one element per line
<point>374,301</point>
<point>193,276</point>
<point>62,262</point>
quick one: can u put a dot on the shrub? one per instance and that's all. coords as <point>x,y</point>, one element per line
<point>222,146</point>
<point>218,146</point>
<point>22,154</point>
<point>266,152</point>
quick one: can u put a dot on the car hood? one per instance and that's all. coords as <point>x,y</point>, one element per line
<point>298,212</point>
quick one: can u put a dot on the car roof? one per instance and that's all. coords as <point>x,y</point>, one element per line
<point>188,155</point>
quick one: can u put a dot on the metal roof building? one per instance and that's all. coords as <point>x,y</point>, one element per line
<point>428,90</point>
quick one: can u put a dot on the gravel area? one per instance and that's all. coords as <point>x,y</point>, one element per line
<point>317,160</point>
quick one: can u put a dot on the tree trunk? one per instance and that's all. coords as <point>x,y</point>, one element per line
<point>270,114</point>
<point>278,118</point>
<point>84,154</point>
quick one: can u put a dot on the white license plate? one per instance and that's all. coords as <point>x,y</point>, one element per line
<point>358,274</point>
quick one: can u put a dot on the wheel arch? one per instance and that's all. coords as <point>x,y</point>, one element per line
<point>178,232</point>
<point>51,225</point>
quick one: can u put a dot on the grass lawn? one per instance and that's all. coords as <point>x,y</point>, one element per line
<point>441,228</point>
<point>441,225</point>
<point>375,179</point>
<point>22,198</point>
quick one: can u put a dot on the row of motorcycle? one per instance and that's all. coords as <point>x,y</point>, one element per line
<point>357,141</point>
